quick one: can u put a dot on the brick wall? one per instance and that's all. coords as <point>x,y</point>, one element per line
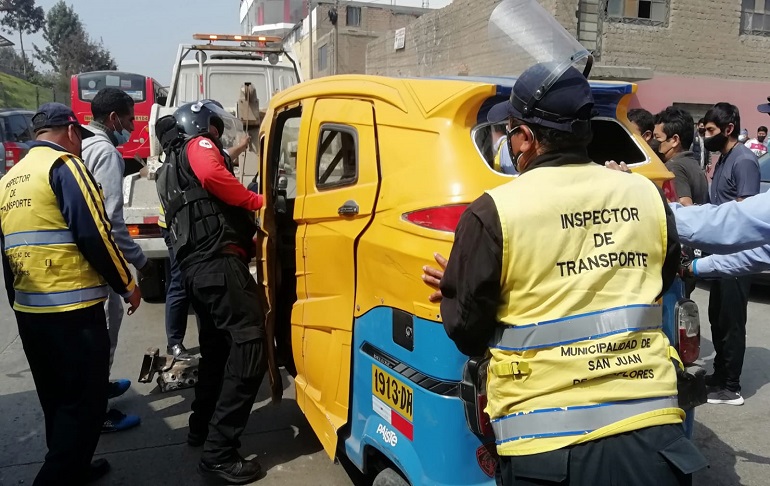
<point>701,38</point>
<point>450,41</point>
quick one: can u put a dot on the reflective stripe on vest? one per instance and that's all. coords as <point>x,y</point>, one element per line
<point>33,299</point>
<point>579,420</point>
<point>39,237</point>
<point>582,327</point>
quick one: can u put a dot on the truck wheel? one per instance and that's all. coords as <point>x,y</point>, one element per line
<point>389,477</point>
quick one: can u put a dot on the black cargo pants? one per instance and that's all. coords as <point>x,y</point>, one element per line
<point>728,305</point>
<point>69,356</point>
<point>660,456</point>
<point>233,357</point>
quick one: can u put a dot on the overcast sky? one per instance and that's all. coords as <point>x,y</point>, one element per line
<point>143,35</point>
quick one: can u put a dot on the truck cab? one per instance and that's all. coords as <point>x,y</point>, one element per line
<point>364,178</point>
<point>220,67</point>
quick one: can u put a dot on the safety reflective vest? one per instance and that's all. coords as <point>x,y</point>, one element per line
<point>50,273</point>
<point>580,353</point>
<point>498,156</point>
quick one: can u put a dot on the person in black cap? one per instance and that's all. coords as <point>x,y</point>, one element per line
<point>555,276</point>
<point>59,257</point>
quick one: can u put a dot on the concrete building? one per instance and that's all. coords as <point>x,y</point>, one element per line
<point>687,52</point>
<point>313,40</point>
<point>255,13</point>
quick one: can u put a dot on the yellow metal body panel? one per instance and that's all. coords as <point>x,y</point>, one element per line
<point>415,152</point>
<point>329,247</point>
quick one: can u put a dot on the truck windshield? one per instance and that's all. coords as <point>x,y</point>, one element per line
<point>226,87</point>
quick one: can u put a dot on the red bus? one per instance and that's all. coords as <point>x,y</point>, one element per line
<point>143,89</point>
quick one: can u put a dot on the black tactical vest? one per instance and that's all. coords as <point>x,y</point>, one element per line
<point>201,226</point>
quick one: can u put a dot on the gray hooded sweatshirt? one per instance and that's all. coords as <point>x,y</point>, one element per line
<point>106,164</point>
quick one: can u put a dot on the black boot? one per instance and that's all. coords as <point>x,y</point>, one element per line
<point>238,471</point>
<point>97,470</point>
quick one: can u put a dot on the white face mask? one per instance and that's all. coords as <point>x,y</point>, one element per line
<point>122,136</point>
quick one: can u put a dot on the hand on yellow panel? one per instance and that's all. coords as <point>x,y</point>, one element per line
<point>622,167</point>
<point>432,277</point>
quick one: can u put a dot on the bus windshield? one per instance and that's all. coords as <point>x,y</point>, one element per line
<point>134,85</point>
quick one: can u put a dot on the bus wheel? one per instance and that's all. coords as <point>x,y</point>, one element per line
<point>389,477</point>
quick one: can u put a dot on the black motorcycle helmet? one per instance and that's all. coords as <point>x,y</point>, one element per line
<point>194,118</point>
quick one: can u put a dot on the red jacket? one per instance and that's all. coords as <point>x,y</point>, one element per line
<point>209,167</point>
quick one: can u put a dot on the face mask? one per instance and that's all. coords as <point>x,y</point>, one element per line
<point>701,131</point>
<point>515,158</point>
<point>122,136</point>
<point>654,145</point>
<point>761,138</point>
<point>715,143</point>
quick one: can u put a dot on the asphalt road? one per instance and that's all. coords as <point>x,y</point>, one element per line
<point>735,439</point>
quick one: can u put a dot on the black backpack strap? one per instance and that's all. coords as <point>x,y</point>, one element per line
<point>182,200</point>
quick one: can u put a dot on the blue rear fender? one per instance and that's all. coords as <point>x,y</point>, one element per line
<point>426,437</point>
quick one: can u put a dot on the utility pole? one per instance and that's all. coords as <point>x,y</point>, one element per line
<point>337,37</point>
<point>310,35</point>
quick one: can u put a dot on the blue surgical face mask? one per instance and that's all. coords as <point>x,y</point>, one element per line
<point>122,136</point>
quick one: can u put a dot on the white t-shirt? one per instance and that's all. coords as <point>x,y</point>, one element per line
<point>757,147</point>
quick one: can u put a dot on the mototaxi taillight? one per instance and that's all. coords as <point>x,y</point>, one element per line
<point>473,392</point>
<point>687,319</point>
<point>670,191</point>
<point>441,218</point>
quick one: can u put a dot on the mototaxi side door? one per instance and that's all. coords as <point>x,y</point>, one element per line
<point>341,186</point>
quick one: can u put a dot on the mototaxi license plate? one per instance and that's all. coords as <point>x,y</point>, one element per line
<point>393,392</point>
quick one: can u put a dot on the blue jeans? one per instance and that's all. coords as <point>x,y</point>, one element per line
<point>177,304</point>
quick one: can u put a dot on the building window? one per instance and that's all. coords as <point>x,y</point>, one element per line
<point>337,163</point>
<point>353,16</point>
<point>755,17</point>
<point>646,12</point>
<point>323,57</point>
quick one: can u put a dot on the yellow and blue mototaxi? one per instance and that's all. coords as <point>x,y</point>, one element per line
<point>364,178</point>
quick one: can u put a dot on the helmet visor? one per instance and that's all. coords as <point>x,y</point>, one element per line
<point>527,34</point>
<point>230,128</point>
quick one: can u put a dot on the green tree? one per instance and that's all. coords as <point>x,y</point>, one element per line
<point>24,17</point>
<point>61,23</point>
<point>80,54</point>
<point>12,60</point>
<point>70,50</point>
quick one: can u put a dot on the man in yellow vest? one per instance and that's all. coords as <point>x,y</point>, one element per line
<point>59,258</point>
<point>560,291</point>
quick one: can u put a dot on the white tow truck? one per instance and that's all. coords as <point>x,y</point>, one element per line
<point>242,72</point>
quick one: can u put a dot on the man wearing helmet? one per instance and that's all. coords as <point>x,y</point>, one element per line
<point>210,218</point>
<point>560,292</point>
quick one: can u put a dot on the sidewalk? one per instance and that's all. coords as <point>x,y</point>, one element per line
<point>156,451</point>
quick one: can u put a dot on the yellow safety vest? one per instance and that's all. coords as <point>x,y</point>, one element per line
<point>581,353</point>
<point>50,273</point>
<point>161,217</point>
<point>498,156</point>
<point>161,212</point>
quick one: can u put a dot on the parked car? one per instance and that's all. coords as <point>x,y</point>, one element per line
<point>15,135</point>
